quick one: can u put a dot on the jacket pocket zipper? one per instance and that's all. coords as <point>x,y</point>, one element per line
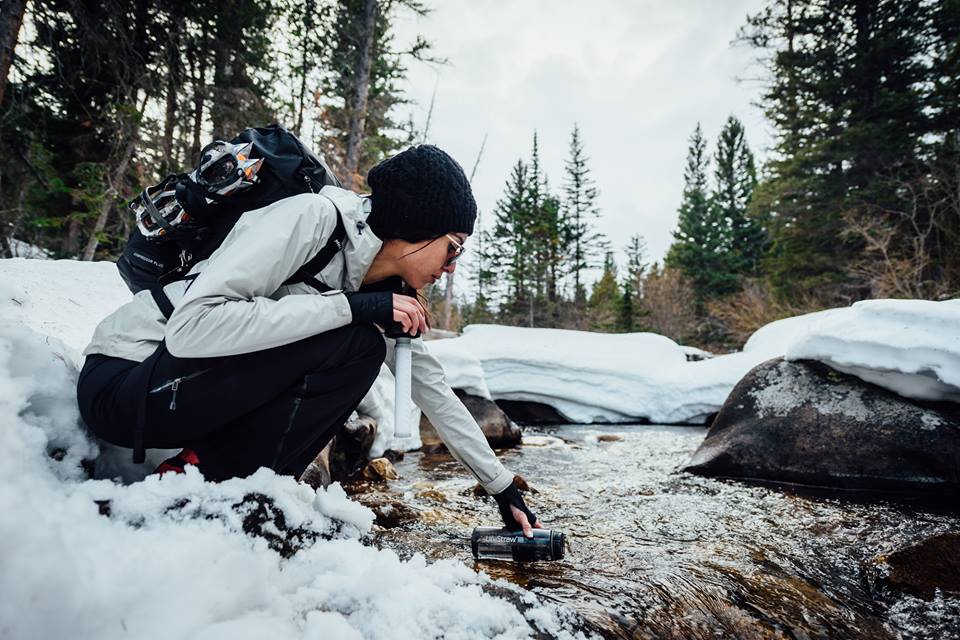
<point>174,385</point>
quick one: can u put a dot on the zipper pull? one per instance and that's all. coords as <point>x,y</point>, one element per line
<point>306,179</point>
<point>173,398</point>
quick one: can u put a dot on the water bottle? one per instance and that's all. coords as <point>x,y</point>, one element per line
<point>491,543</point>
<point>402,402</point>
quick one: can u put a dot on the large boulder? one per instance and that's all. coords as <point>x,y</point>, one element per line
<point>802,422</point>
<point>499,430</point>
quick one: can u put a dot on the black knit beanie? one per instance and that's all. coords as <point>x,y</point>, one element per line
<point>420,194</point>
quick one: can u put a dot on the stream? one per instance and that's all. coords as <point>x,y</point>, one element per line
<point>655,553</point>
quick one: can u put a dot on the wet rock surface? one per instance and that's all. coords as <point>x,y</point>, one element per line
<point>345,457</point>
<point>802,422</point>
<point>379,470</point>
<point>392,513</point>
<point>654,553</point>
<point>524,412</point>
<point>925,567</point>
<point>499,430</point>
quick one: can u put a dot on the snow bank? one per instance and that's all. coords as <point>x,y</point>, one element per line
<point>911,347</point>
<point>587,377</point>
<point>172,560</point>
<point>63,299</point>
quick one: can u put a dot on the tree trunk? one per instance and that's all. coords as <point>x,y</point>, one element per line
<point>218,92</point>
<point>11,17</point>
<point>448,302</point>
<point>173,86</point>
<point>198,74</point>
<point>113,179</point>
<point>358,111</point>
<point>71,243</point>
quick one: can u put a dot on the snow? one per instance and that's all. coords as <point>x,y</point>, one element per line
<point>172,559</point>
<point>63,299</point>
<point>911,347</point>
<point>590,377</point>
<point>22,249</point>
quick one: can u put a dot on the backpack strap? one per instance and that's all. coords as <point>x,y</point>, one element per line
<point>162,300</point>
<point>304,274</point>
<point>317,263</point>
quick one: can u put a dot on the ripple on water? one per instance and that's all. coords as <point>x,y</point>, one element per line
<point>655,553</point>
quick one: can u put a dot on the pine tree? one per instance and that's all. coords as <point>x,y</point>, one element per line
<point>581,213</point>
<point>846,96</point>
<point>546,236</point>
<point>637,265</point>
<point>510,242</point>
<point>605,299</point>
<point>632,312</point>
<point>364,73</point>
<point>701,245</point>
<point>735,177</point>
<point>626,312</point>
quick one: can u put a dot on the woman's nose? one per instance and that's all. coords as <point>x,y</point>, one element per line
<point>449,268</point>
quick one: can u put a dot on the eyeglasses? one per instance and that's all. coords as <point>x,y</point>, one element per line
<point>458,250</point>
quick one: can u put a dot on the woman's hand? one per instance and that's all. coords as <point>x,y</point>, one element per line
<point>410,314</point>
<point>524,522</point>
<point>515,512</point>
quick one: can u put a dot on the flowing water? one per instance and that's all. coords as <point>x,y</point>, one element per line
<point>655,553</point>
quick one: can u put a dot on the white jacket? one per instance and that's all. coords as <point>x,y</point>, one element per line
<point>238,304</point>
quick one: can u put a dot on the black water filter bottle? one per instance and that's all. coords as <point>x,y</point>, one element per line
<point>491,543</point>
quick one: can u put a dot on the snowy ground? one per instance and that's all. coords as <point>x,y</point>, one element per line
<point>172,559</point>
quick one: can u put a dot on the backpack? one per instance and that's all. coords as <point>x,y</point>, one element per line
<point>289,169</point>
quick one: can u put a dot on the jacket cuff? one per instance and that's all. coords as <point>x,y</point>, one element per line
<point>499,484</point>
<point>374,307</point>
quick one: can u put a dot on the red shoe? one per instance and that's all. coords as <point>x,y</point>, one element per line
<point>178,462</point>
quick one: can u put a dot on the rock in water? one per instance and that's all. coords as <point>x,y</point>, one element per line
<point>380,469</point>
<point>344,457</point>
<point>924,567</point>
<point>499,430</point>
<point>802,422</point>
<point>529,412</point>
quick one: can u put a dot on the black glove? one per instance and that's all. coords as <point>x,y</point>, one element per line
<point>374,307</point>
<point>511,497</point>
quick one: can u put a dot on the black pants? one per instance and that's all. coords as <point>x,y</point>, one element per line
<point>275,408</point>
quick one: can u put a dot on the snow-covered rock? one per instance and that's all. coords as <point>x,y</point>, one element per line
<point>803,422</point>
<point>171,556</point>
<point>911,347</point>
<point>22,249</point>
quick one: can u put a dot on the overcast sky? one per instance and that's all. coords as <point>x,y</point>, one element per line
<point>636,75</point>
